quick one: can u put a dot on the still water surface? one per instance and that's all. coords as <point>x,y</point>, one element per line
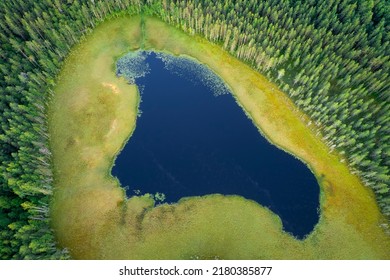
<point>192,139</point>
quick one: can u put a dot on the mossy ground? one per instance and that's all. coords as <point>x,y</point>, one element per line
<point>93,113</point>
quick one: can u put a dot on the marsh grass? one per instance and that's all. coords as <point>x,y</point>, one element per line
<point>92,115</point>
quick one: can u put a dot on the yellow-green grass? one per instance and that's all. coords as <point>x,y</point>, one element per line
<point>93,113</point>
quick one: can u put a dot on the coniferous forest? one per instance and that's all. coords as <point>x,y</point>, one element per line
<point>331,57</point>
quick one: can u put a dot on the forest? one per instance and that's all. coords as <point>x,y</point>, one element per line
<point>331,57</point>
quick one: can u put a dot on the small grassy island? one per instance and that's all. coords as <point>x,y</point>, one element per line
<point>314,85</point>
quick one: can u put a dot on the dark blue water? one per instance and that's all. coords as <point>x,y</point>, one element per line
<point>188,142</point>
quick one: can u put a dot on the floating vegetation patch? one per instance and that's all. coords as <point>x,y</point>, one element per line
<point>183,65</point>
<point>133,65</point>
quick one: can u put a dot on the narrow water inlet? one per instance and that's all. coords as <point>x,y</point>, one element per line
<point>192,139</point>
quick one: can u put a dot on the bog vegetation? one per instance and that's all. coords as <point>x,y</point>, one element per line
<point>331,57</point>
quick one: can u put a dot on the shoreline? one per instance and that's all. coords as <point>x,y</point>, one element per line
<point>334,215</point>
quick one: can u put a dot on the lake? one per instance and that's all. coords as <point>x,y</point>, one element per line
<point>193,139</point>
